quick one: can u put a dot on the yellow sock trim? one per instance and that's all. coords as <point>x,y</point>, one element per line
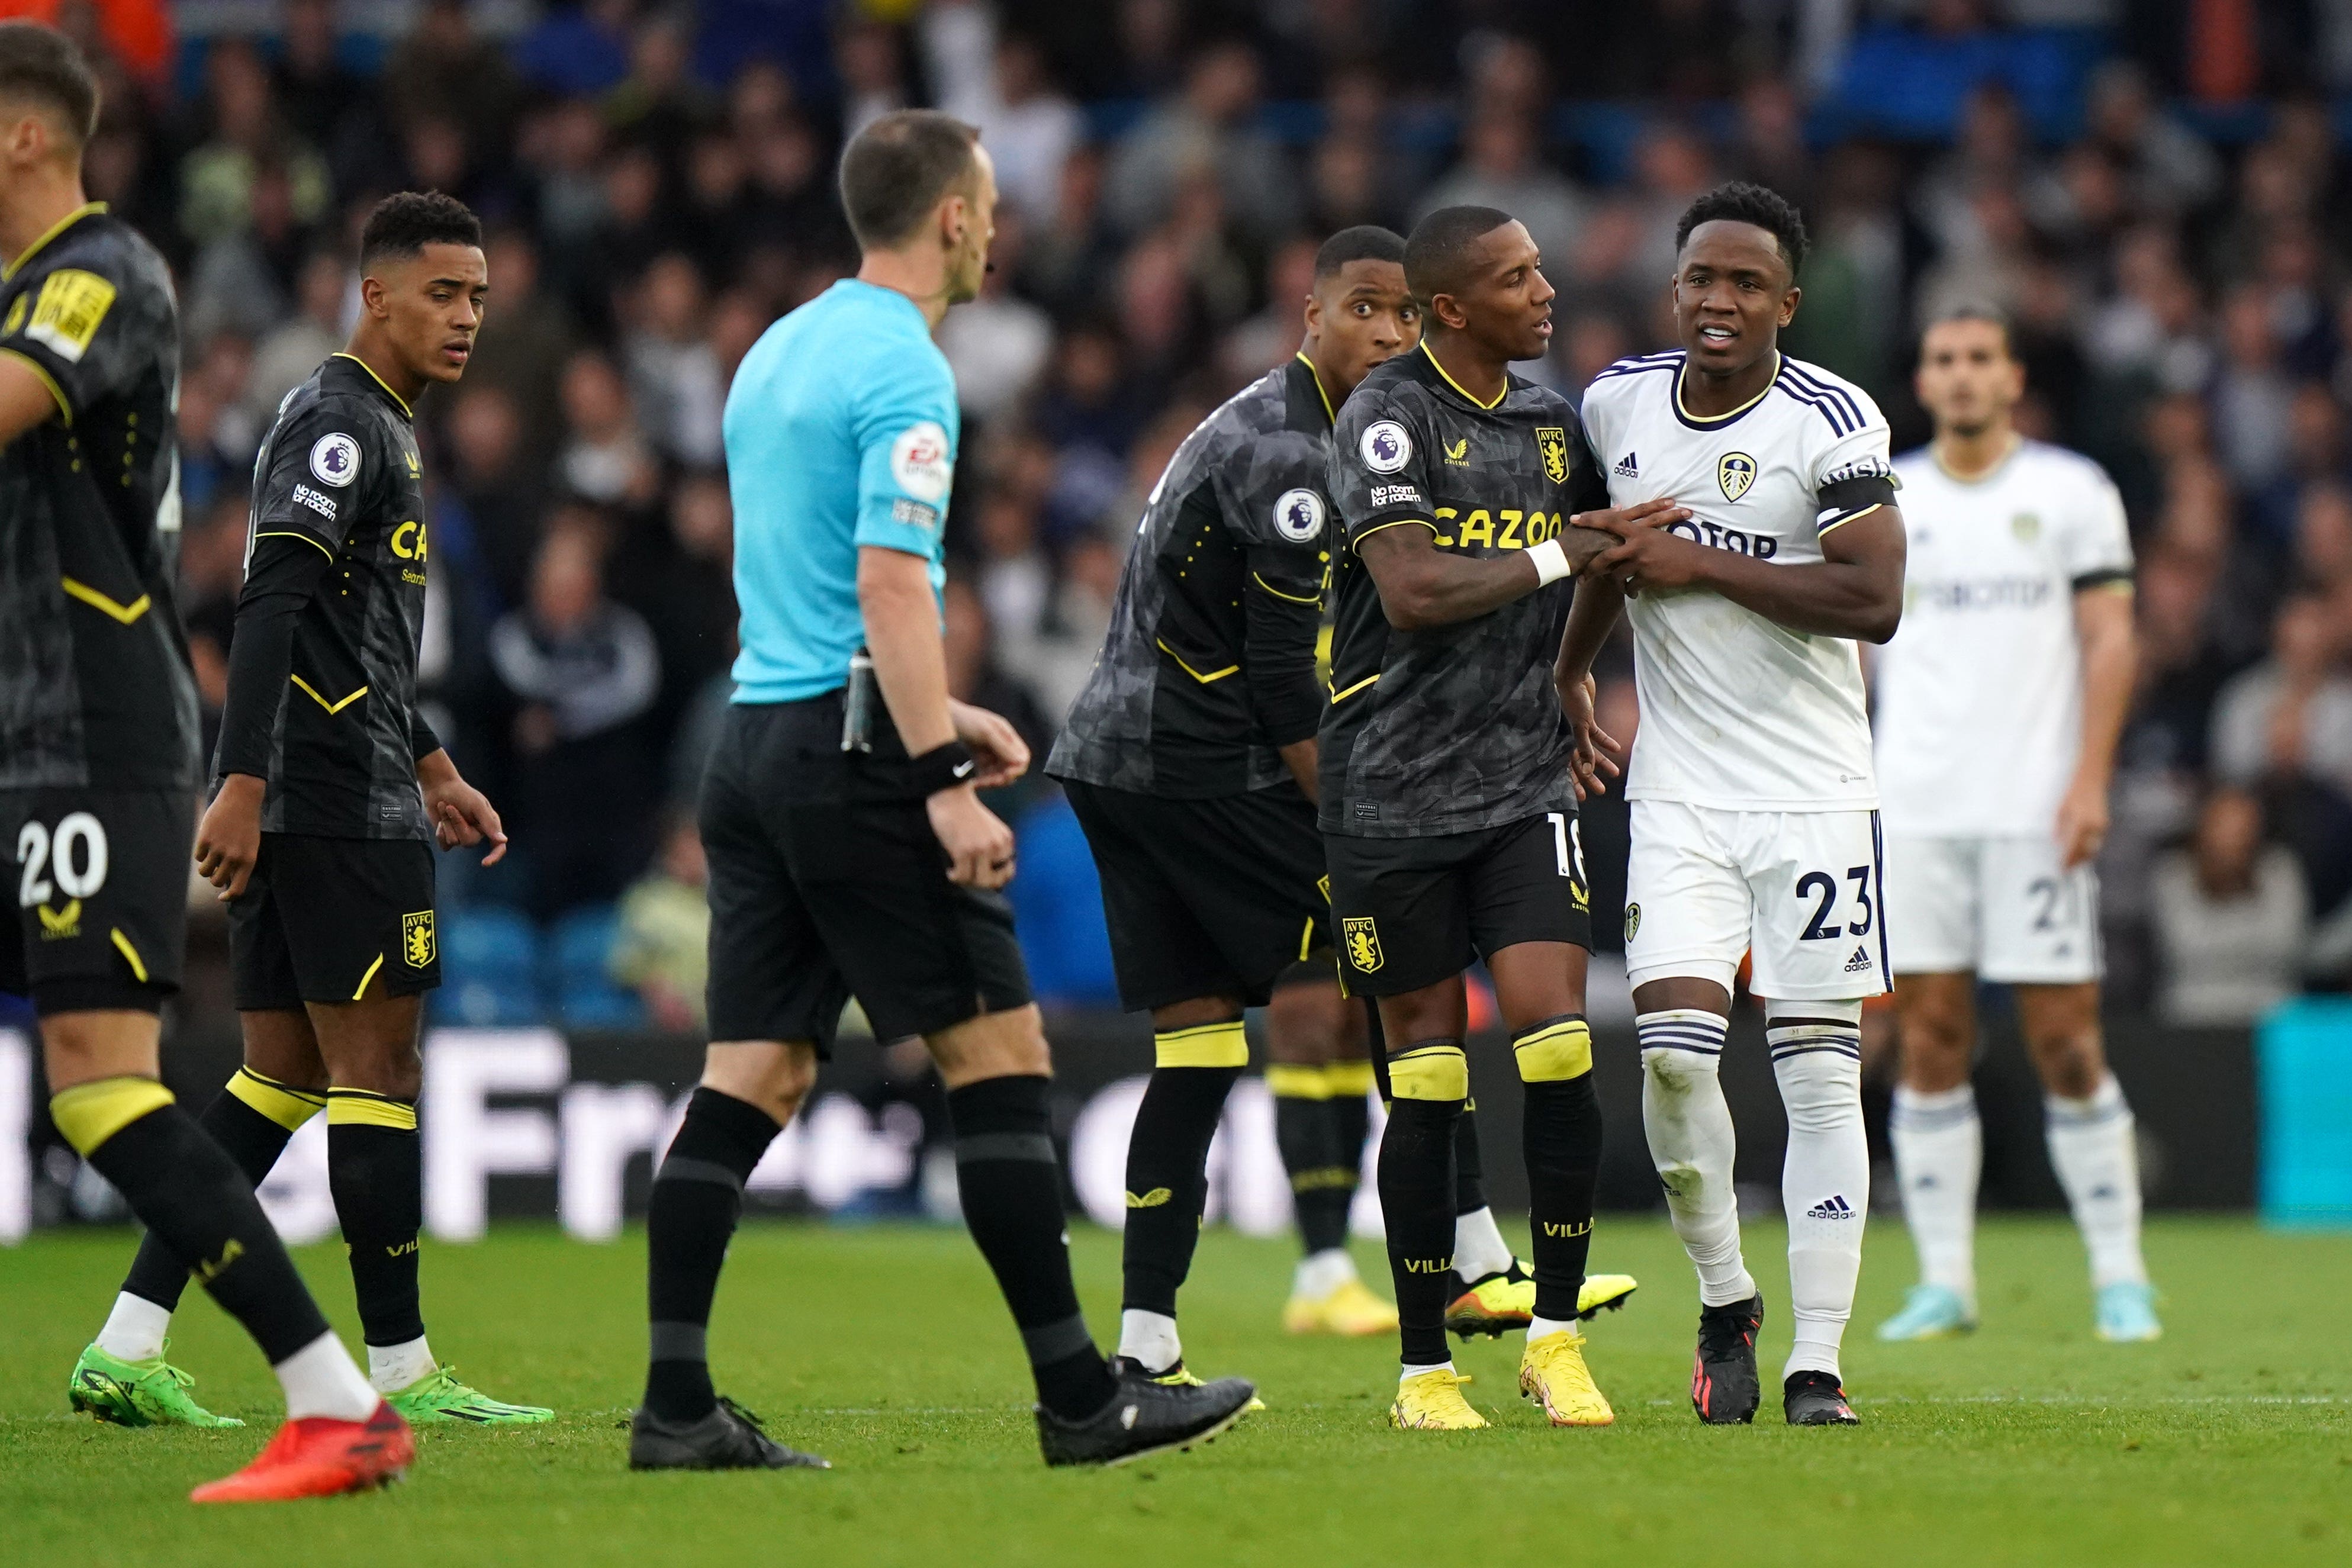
<point>1349,1079</point>
<point>357,1107</point>
<point>1325,1178</point>
<point>90,1113</point>
<point>289,1108</point>
<point>1430,1072</point>
<point>1555,1053</point>
<point>1202,1045</point>
<point>1290,1081</point>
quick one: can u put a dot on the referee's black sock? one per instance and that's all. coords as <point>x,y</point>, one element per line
<point>697,1197</point>
<point>1193,1070</point>
<point>1562,1128</point>
<point>1010,1182</point>
<point>251,1119</point>
<point>1431,1079</point>
<point>185,1188</point>
<point>375,1168</point>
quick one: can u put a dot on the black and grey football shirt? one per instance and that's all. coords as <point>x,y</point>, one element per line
<point>95,685</point>
<point>322,669</point>
<point>1209,667</point>
<point>1458,726</point>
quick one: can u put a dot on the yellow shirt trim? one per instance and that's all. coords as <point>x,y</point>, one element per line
<point>378,380</point>
<point>1294,599</point>
<point>1205,680</point>
<point>54,230</point>
<point>312,692</point>
<point>65,409</point>
<point>1338,698</point>
<point>1842,522</point>
<point>1457,386</point>
<point>293,534</point>
<point>126,613</point>
<point>1328,412</point>
<point>1683,409</point>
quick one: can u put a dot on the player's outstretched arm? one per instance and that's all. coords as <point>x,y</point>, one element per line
<point>1855,590</point>
<point>1422,586</point>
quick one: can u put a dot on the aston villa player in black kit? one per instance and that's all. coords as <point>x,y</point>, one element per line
<point>98,767</point>
<point>331,791</point>
<point>1451,776</point>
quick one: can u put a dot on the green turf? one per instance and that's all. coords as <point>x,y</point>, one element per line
<point>2230,1442</point>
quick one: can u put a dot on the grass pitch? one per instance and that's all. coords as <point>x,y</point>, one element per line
<point>2227,1442</point>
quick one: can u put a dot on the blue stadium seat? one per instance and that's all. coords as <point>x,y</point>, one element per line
<point>572,958</point>
<point>487,968</point>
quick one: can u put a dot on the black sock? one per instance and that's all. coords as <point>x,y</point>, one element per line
<point>1416,1184</point>
<point>1562,1131</point>
<point>1352,1123</point>
<point>250,1138</point>
<point>1321,1166</point>
<point>1469,1165</point>
<point>187,1190</point>
<point>698,1196</point>
<point>375,1168</point>
<point>1011,1181</point>
<point>1167,1182</point>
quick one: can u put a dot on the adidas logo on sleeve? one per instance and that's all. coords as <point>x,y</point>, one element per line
<point>1832,1207</point>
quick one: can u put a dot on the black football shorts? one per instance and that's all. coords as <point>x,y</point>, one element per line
<point>826,882</point>
<point>102,889</point>
<point>1410,912</point>
<point>1212,897</point>
<point>333,920</point>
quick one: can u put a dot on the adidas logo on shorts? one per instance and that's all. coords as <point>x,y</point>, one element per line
<point>1859,963</point>
<point>1831,1209</point>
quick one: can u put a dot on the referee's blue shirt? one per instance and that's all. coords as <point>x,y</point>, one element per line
<point>840,432</point>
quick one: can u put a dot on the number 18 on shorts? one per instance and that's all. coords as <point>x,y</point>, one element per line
<point>1799,889</point>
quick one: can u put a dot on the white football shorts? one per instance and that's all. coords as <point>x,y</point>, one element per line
<point>1799,889</point>
<point>2002,908</point>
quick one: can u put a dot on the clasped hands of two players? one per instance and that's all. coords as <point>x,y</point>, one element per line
<point>229,840</point>
<point>1645,556</point>
<point>978,844</point>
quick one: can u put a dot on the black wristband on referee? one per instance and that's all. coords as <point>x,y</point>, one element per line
<point>941,767</point>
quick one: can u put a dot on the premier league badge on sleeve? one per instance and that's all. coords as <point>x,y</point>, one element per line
<point>1298,516</point>
<point>335,459</point>
<point>1385,447</point>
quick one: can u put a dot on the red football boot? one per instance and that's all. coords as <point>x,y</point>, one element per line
<point>320,1456</point>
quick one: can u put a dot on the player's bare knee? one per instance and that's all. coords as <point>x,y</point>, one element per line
<point>280,1046</point>
<point>774,1075</point>
<point>993,1045</point>
<point>84,1046</point>
<point>1306,1024</point>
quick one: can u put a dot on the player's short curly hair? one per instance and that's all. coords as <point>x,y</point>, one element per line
<point>404,224</point>
<point>1365,242</point>
<point>42,64</point>
<point>1743,203</point>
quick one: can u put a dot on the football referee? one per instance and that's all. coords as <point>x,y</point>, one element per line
<point>849,851</point>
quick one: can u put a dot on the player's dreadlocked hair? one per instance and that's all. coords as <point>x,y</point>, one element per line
<point>406,223</point>
<point>1365,242</point>
<point>1742,202</point>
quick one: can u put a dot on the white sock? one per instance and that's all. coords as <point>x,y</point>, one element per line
<point>1938,1156</point>
<point>321,1379</point>
<point>1149,1338</point>
<point>393,1368</point>
<point>1411,1371</point>
<point>134,1329</point>
<point>1825,1182</point>
<point>1320,1273</point>
<point>1479,1248</point>
<point>2094,1147</point>
<point>1538,1327</point>
<point>1692,1144</point>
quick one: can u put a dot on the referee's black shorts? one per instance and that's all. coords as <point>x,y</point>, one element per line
<point>1209,897</point>
<point>826,882</point>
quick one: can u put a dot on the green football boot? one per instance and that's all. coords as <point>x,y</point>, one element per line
<point>138,1393</point>
<point>438,1397</point>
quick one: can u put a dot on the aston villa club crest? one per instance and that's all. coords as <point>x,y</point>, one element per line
<point>1363,941</point>
<point>1734,473</point>
<point>1552,442</point>
<point>417,945</point>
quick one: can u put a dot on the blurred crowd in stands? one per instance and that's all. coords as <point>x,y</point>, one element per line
<point>2155,190</point>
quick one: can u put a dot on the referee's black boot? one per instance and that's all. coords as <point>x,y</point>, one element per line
<point>729,1438</point>
<point>1144,1418</point>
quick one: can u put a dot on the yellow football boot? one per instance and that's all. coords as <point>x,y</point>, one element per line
<point>1604,1293</point>
<point>1497,1304</point>
<point>1351,1311</point>
<point>1432,1401</point>
<point>1552,1373</point>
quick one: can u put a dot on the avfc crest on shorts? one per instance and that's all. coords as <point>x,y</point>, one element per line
<point>1363,941</point>
<point>416,939</point>
<point>1552,442</point>
<point>1734,473</point>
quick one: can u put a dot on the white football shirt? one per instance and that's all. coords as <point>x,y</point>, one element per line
<point>1981,691</point>
<point>1739,712</point>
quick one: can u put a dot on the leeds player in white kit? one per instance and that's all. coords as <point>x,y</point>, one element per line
<point>1754,825</point>
<point>1999,707</point>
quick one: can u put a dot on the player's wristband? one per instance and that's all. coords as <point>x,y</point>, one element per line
<point>1551,562</point>
<point>941,767</point>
